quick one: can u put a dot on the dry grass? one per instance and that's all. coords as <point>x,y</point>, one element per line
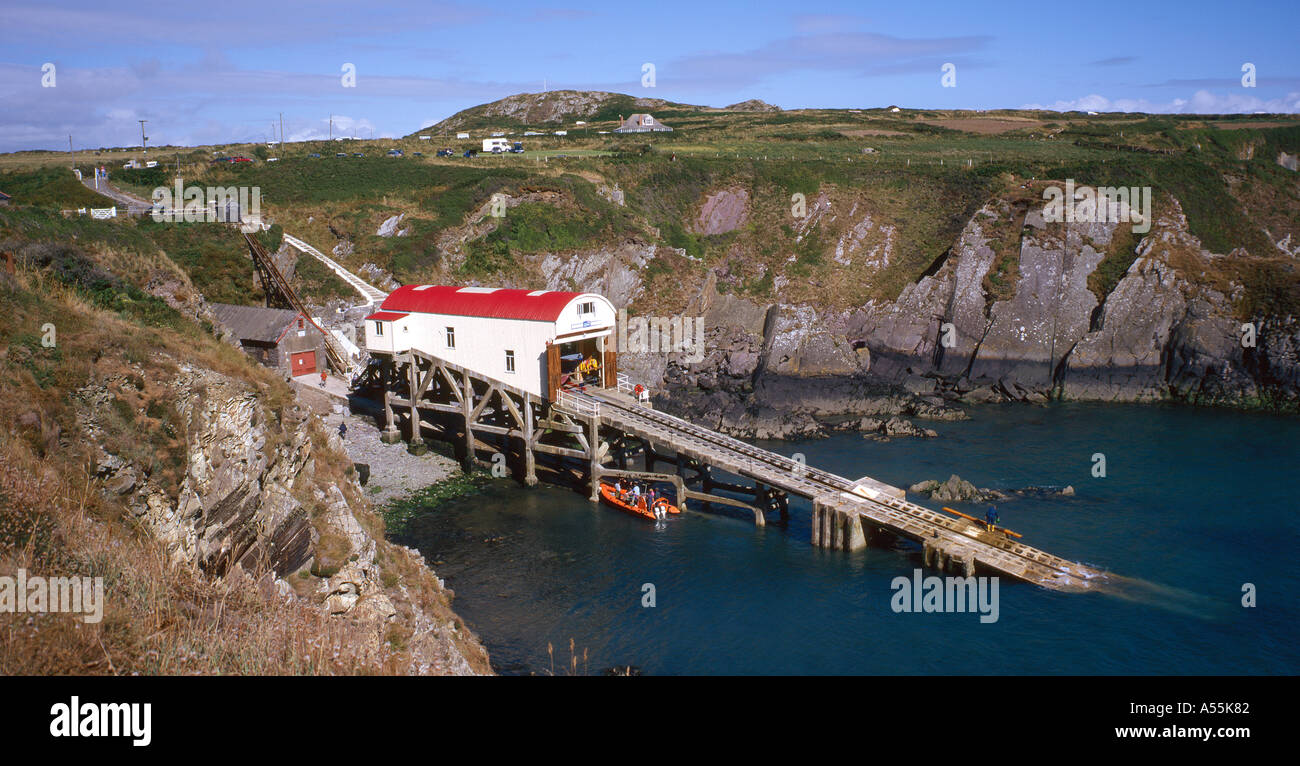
<point>159,617</point>
<point>162,616</point>
<point>987,126</point>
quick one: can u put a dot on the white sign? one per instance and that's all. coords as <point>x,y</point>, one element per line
<point>103,212</point>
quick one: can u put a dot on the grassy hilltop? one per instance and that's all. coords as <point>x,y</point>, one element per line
<point>918,174</point>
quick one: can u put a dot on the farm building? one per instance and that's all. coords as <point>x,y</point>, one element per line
<point>641,123</point>
<point>531,339</point>
<point>278,338</point>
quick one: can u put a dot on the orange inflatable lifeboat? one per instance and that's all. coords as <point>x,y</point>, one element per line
<point>635,506</point>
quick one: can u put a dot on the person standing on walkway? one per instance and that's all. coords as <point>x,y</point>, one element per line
<point>343,429</point>
<point>322,378</point>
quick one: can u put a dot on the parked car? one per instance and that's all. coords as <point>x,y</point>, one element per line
<point>240,159</point>
<point>224,159</point>
<point>358,154</point>
<point>341,154</point>
<point>446,153</point>
<point>314,155</point>
<point>471,152</point>
<point>517,148</point>
<point>417,154</point>
<point>395,153</point>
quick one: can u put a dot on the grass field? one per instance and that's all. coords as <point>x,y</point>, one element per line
<point>918,175</point>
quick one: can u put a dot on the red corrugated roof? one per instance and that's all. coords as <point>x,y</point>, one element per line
<point>501,303</point>
<point>385,316</point>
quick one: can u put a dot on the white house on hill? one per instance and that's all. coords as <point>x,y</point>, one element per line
<point>641,123</point>
<point>528,339</point>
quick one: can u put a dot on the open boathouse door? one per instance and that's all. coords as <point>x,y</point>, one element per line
<point>563,357</point>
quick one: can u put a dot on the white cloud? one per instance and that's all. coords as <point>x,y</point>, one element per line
<point>1201,102</point>
<point>344,126</point>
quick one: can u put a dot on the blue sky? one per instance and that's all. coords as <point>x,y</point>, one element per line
<point>224,71</point>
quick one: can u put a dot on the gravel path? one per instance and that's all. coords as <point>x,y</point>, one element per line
<point>394,472</point>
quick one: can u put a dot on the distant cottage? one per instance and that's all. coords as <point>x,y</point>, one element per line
<point>278,338</point>
<point>641,123</point>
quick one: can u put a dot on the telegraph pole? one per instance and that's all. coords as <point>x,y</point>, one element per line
<point>281,129</point>
<point>144,140</point>
<point>70,151</point>
<point>331,127</point>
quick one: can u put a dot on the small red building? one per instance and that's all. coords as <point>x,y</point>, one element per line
<point>278,338</point>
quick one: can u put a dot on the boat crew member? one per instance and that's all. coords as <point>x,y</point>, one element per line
<point>992,516</point>
<point>588,368</point>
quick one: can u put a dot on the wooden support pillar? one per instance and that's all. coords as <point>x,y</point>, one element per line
<point>854,539</point>
<point>593,456</point>
<point>836,528</point>
<point>416,445</point>
<point>820,509</point>
<point>530,457</point>
<point>390,434</point>
<point>467,409</point>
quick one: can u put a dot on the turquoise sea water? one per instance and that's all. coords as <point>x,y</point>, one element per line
<point>1195,504</point>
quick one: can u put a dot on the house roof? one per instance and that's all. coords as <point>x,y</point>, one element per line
<point>386,316</point>
<point>254,322</point>
<point>4,196</point>
<point>496,302</point>
<point>641,123</point>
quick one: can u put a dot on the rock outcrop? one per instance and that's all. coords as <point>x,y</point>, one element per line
<point>958,490</point>
<point>265,492</point>
<point>955,490</point>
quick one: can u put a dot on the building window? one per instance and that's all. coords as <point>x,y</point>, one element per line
<point>379,329</point>
<point>510,361</point>
<point>587,308</point>
<point>301,326</point>
<point>451,337</point>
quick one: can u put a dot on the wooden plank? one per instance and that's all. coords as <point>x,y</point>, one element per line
<point>552,372</point>
<point>610,367</point>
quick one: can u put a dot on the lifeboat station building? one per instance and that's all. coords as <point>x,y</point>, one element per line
<point>533,340</point>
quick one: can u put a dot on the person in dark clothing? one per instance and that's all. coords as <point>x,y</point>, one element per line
<point>992,516</point>
<point>343,430</point>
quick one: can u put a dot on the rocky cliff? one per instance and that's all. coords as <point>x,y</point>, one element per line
<point>1018,309</point>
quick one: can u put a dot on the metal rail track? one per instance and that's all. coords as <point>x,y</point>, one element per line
<point>813,482</point>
